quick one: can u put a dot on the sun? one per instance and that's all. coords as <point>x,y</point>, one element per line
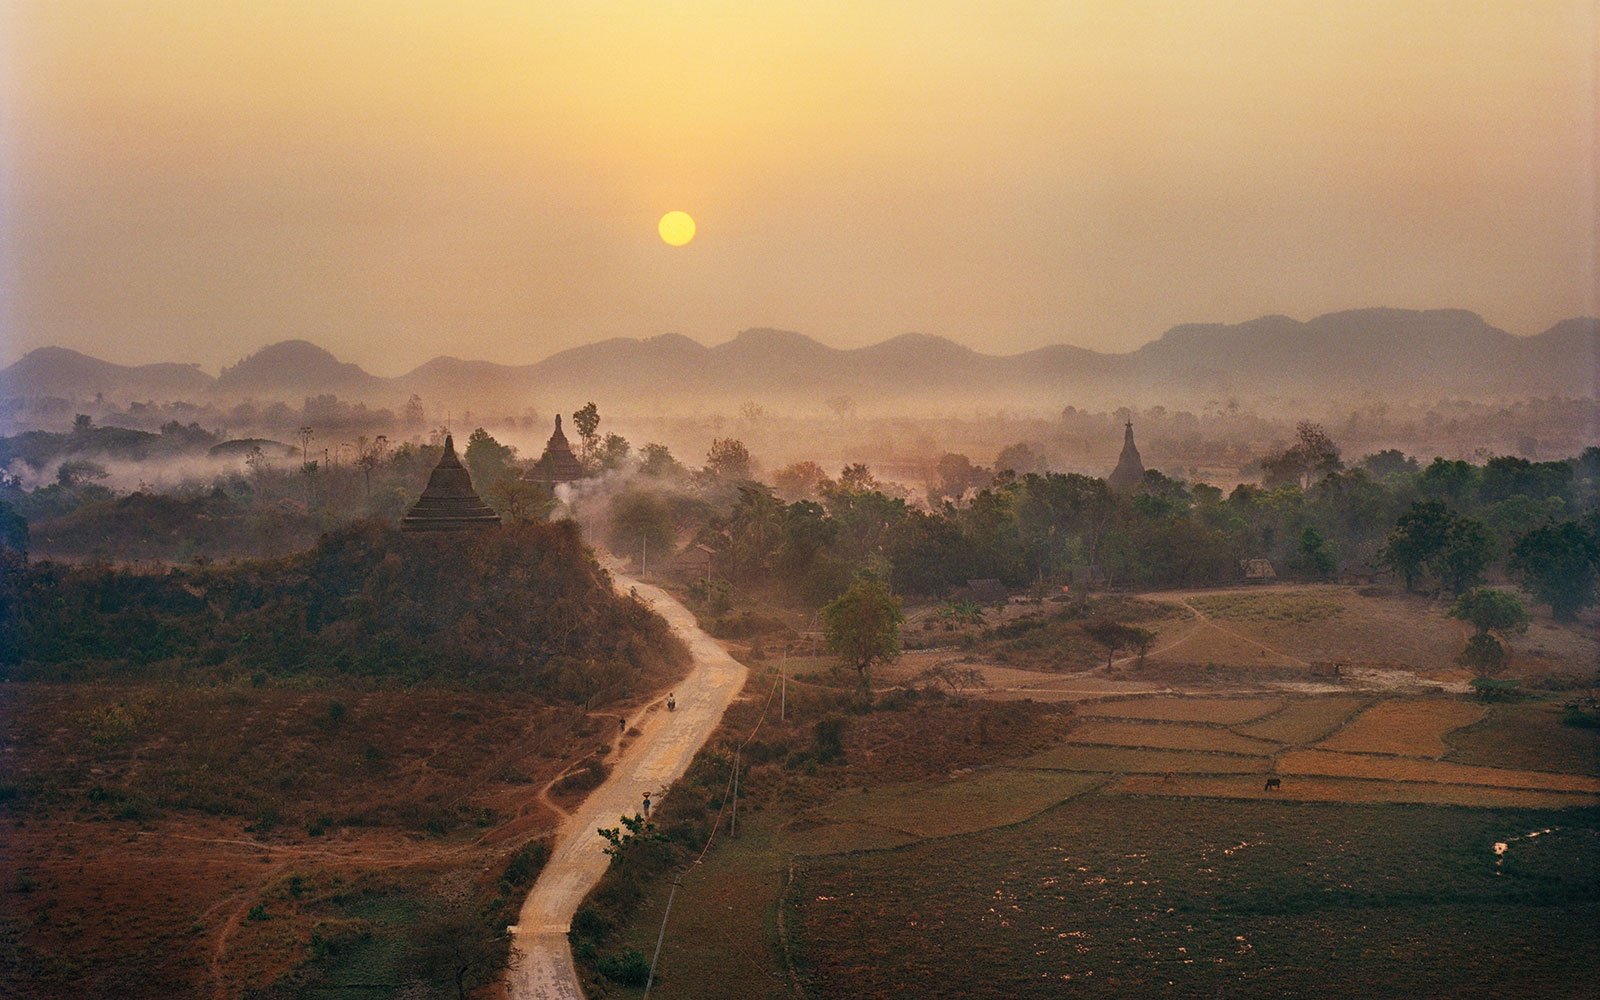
<point>676,228</point>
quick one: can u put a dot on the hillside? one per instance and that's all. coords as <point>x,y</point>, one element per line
<point>1395,352</point>
<point>301,776</point>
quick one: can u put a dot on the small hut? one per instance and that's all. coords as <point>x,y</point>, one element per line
<point>558,464</point>
<point>1257,570</point>
<point>449,503</point>
<point>1129,473</point>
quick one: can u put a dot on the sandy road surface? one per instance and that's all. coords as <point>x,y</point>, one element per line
<point>541,959</point>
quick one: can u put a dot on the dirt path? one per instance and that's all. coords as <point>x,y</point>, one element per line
<point>541,962</point>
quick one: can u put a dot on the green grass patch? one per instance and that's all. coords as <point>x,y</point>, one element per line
<point>1119,760</point>
<point>1529,735</point>
<point>1204,899</point>
<point>974,802</point>
<point>1273,608</point>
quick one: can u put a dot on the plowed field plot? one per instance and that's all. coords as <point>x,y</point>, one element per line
<point>1412,728</point>
<point>1167,736</point>
<point>1304,720</point>
<point>1119,760</point>
<point>1201,898</point>
<point>1316,788</point>
<point>975,802</point>
<point>840,837</point>
<point>1531,735</point>
<point>1344,765</point>
<point>1227,711</point>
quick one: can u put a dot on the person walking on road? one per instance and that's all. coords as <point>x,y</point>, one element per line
<point>672,703</point>
<point>646,805</point>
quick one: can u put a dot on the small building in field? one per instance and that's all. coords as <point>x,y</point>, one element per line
<point>695,562</point>
<point>448,502</point>
<point>985,591</point>
<point>1257,570</point>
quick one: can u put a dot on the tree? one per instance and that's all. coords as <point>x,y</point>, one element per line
<point>587,421</point>
<point>800,481</point>
<point>613,452</point>
<point>517,499</point>
<point>656,460</point>
<point>451,941</point>
<point>1312,456</point>
<point>953,475</point>
<point>1021,459</point>
<point>1389,462</point>
<point>1418,536</point>
<point>842,406</point>
<point>1465,554</point>
<point>1116,635</point>
<point>728,459</point>
<point>488,460</point>
<point>1489,611</point>
<point>13,529</point>
<point>1558,563</point>
<point>82,423</point>
<point>641,521</point>
<point>1316,555</point>
<point>369,455</point>
<point>413,414</point>
<point>857,478</point>
<point>862,625</point>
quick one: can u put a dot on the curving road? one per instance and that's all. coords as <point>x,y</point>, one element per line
<point>541,958</point>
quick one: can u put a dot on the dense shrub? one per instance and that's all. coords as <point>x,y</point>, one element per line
<point>522,607</point>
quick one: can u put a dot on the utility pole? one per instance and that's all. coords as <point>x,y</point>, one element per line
<point>677,880</point>
<point>733,821</point>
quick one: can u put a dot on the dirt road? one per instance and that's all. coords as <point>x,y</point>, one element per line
<point>541,959</point>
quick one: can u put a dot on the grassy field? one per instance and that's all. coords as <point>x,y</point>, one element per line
<point>1528,735</point>
<point>168,840</point>
<point>1167,736</point>
<point>1412,728</point>
<point>973,802</point>
<point>1193,898</point>
<point>1162,865</point>
<point>1119,760</point>
<point>1349,765</point>
<point>1224,711</point>
<point>1305,720</point>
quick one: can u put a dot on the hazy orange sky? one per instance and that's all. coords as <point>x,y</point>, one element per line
<point>192,179</point>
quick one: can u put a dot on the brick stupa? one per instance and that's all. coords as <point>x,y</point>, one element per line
<point>1129,473</point>
<point>558,464</point>
<point>449,503</point>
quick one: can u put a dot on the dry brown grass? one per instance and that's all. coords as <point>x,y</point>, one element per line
<point>1304,720</point>
<point>1404,769</point>
<point>1119,760</point>
<point>1321,789</point>
<point>1224,711</point>
<point>1167,736</point>
<point>974,802</point>
<point>1413,727</point>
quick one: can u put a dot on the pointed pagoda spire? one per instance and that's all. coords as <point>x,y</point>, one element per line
<point>558,464</point>
<point>1129,473</point>
<point>449,503</point>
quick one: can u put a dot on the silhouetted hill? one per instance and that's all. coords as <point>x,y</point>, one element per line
<point>1395,353</point>
<point>294,368</point>
<point>58,371</point>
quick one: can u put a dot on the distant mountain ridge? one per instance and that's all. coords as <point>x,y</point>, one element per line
<point>1387,352</point>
